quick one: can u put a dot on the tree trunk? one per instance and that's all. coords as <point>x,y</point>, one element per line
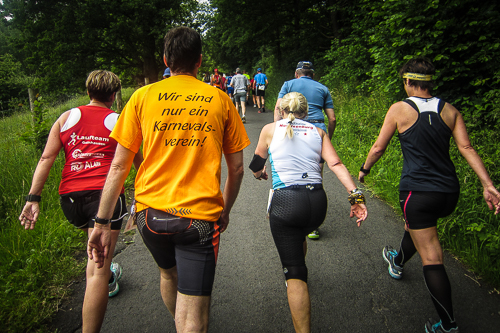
<point>119,101</point>
<point>32,96</point>
<point>150,69</point>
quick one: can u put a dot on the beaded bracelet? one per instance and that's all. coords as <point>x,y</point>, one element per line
<point>356,197</point>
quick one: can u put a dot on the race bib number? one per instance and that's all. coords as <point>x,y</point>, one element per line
<point>262,87</point>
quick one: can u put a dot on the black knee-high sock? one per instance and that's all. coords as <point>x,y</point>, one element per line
<point>439,287</point>
<point>406,250</point>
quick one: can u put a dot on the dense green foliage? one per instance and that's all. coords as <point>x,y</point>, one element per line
<point>268,34</point>
<point>60,42</point>
<point>461,37</point>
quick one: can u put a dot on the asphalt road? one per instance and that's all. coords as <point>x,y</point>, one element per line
<point>350,288</point>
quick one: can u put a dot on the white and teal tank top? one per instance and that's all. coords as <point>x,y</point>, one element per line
<point>295,161</point>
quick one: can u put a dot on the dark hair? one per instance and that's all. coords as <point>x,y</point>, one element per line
<point>419,65</point>
<point>102,84</point>
<point>182,49</point>
<point>305,72</point>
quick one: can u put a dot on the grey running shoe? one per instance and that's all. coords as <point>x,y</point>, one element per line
<point>394,270</point>
<point>243,119</point>
<point>113,286</point>
<point>432,327</point>
<point>117,269</point>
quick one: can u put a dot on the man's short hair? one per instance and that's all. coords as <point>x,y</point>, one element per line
<point>238,70</point>
<point>419,65</point>
<point>102,84</point>
<point>182,49</point>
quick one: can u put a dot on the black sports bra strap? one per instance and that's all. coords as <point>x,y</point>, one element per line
<point>441,106</point>
<point>412,104</point>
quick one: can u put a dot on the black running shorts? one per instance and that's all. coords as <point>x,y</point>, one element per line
<point>294,213</point>
<point>81,207</point>
<point>191,245</point>
<point>421,210</point>
<point>260,92</point>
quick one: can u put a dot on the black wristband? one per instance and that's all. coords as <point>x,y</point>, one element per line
<point>367,171</point>
<point>33,197</point>
<point>257,163</point>
<point>101,221</point>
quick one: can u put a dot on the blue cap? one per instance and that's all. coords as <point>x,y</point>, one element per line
<point>167,72</point>
<point>259,69</point>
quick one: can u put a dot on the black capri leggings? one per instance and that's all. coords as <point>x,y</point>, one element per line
<point>293,214</point>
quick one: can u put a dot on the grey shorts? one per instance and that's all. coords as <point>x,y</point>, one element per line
<point>240,97</point>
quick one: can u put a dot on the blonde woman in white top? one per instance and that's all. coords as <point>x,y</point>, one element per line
<point>299,203</point>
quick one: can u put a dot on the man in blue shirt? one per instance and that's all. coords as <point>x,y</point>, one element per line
<point>318,99</point>
<point>317,95</point>
<point>260,82</point>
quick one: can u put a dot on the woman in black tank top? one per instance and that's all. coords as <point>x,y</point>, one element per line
<point>429,186</point>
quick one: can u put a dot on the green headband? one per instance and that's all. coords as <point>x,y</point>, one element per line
<point>417,77</point>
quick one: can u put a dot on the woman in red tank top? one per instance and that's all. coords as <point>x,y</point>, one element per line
<point>83,132</point>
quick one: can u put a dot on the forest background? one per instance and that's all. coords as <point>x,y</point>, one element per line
<point>357,47</point>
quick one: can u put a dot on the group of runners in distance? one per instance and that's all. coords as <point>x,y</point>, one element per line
<point>180,210</point>
<point>254,87</point>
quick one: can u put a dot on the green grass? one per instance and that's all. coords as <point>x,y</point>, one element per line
<point>472,232</point>
<point>36,266</point>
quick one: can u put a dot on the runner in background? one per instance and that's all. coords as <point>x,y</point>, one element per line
<point>252,91</point>
<point>216,79</point>
<point>206,78</point>
<point>261,83</point>
<point>166,73</point>
<point>248,90</point>
<point>229,88</point>
<point>240,84</point>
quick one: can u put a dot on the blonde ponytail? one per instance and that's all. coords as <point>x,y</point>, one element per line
<point>289,129</point>
<point>295,104</point>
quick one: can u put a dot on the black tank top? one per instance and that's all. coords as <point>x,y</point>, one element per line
<point>427,165</point>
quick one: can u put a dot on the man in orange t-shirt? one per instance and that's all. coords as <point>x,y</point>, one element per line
<point>184,127</point>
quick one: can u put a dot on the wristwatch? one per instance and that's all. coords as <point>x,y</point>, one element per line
<point>98,220</point>
<point>367,171</point>
<point>33,197</point>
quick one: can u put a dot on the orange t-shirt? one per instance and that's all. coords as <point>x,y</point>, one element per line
<point>186,126</point>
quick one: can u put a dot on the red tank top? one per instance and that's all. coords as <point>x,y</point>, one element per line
<point>88,149</point>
